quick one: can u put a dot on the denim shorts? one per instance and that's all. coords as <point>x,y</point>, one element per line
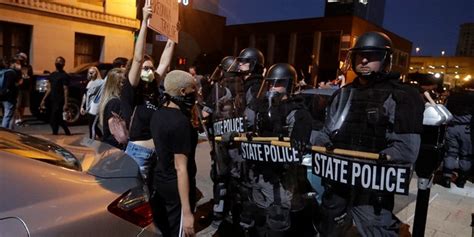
<point>141,155</point>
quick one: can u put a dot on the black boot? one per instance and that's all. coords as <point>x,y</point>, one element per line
<point>445,182</point>
<point>461,180</point>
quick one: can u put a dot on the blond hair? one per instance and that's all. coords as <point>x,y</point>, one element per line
<point>177,80</point>
<point>111,89</point>
<point>97,72</point>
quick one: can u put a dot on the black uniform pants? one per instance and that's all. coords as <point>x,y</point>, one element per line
<point>57,119</point>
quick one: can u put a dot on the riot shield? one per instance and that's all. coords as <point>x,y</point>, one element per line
<point>229,106</point>
<point>228,119</point>
<point>359,120</point>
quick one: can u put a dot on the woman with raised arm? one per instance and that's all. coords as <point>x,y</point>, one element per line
<point>140,96</point>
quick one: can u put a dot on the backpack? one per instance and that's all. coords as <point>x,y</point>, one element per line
<point>4,84</point>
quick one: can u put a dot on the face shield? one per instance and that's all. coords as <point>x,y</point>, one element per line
<point>217,75</point>
<point>367,62</point>
<point>274,91</point>
<point>229,98</point>
<point>242,65</point>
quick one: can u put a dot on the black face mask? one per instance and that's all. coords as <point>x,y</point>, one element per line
<point>185,102</point>
<point>59,66</point>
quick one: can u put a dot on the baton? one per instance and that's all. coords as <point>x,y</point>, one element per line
<point>257,139</point>
<point>285,143</point>
<point>337,151</point>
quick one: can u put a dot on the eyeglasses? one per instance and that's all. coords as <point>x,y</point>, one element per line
<point>146,68</point>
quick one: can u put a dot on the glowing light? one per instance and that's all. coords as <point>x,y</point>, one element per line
<point>184,2</point>
<point>437,75</point>
<point>467,78</point>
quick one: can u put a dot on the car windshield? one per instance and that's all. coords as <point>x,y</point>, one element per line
<point>38,149</point>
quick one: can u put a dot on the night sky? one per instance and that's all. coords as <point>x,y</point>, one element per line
<point>432,25</point>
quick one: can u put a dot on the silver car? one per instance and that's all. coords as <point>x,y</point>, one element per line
<point>69,187</point>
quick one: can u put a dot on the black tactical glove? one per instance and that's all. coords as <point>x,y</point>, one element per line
<point>383,158</point>
<point>301,133</point>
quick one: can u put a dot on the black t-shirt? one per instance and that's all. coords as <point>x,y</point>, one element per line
<point>112,105</point>
<point>173,134</point>
<point>132,98</point>
<point>10,77</point>
<point>26,74</point>
<point>58,80</point>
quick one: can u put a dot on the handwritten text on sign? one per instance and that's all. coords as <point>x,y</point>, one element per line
<point>387,177</point>
<point>164,19</point>
<point>266,152</point>
<point>229,125</point>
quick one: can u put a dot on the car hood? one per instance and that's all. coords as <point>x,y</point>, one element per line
<point>100,159</point>
<point>96,158</point>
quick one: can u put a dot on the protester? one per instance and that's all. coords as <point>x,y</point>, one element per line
<point>459,153</point>
<point>24,86</point>
<point>140,97</point>
<point>110,104</point>
<point>8,93</point>
<point>58,92</point>
<point>90,101</point>
<point>174,184</point>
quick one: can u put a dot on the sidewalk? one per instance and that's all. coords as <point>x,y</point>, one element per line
<point>449,212</point>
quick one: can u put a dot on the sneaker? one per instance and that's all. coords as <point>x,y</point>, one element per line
<point>18,122</point>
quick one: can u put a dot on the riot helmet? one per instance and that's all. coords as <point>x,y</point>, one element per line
<point>371,55</point>
<point>278,83</point>
<point>222,68</point>
<point>250,60</point>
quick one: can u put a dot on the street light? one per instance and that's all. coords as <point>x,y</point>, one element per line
<point>442,53</point>
<point>417,49</point>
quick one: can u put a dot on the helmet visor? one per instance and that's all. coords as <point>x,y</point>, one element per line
<point>242,65</point>
<point>370,56</point>
<point>274,86</point>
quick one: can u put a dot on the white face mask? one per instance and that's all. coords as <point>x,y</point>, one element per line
<point>147,75</point>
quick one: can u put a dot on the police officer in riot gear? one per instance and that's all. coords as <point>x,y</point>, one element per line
<point>275,206</point>
<point>225,105</point>
<point>250,66</point>
<point>220,161</point>
<point>375,113</point>
<point>458,138</point>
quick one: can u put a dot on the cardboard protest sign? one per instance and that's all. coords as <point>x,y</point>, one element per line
<point>164,19</point>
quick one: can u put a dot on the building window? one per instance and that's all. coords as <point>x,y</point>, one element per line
<point>87,48</point>
<point>261,43</point>
<point>14,38</point>
<point>304,52</point>
<point>242,43</point>
<point>282,47</point>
